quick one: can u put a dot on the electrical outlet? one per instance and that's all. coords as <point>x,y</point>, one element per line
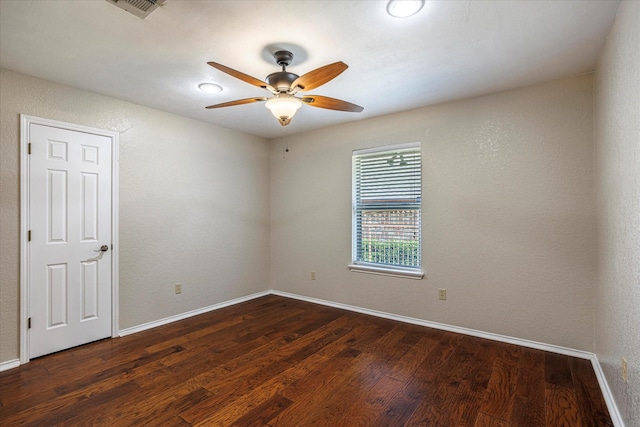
<point>442,293</point>
<point>313,275</point>
<point>624,369</point>
<point>178,288</point>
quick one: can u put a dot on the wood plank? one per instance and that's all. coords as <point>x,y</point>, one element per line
<point>437,407</point>
<point>465,404</point>
<point>264,412</point>
<point>155,412</point>
<point>158,401</point>
<point>529,403</point>
<point>420,387</point>
<point>239,405</point>
<point>485,420</point>
<point>122,369</point>
<point>562,407</point>
<point>367,405</point>
<point>403,368</point>
<point>251,377</point>
<point>397,412</point>
<point>593,408</point>
<point>486,352</point>
<point>326,407</point>
<point>57,411</point>
<point>500,395</point>
<point>557,371</point>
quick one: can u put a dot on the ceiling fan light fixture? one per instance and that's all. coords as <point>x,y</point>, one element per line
<point>210,88</point>
<point>283,107</point>
<point>404,8</point>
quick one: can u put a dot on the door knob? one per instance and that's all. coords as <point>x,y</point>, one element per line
<point>103,248</point>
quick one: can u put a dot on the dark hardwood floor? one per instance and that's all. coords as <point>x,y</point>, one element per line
<point>275,361</point>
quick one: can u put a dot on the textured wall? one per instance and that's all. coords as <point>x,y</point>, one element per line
<point>194,204</point>
<point>508,213</point>
<point>617,136</point>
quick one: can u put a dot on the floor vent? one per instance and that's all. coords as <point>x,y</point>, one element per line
<point>140,8</point>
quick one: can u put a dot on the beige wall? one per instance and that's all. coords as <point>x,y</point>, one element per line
<point>194,204</point>
<point>617,302</point>
<point>508,213</point>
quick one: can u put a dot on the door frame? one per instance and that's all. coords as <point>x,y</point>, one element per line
<point>25,122</point>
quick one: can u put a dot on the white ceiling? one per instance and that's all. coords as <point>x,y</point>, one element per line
<point>450,50</point>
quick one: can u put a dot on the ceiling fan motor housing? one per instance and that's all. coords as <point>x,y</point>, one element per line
<point>281,80</point>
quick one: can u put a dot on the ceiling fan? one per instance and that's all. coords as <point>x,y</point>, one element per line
<point>285,85</point>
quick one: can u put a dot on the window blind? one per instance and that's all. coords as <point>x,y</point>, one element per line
<point>387,206</point>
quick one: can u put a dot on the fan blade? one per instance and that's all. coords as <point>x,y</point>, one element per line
<point>242,76</point>
<point>331,103</point>
<point>238,102</point>
<point>318,77</point>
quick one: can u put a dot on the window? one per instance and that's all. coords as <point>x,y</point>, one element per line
<point>387,210</point>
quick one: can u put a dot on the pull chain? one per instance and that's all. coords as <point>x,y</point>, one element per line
<point>286,144</point>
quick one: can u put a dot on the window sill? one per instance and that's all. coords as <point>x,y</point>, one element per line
<point>406,274</point>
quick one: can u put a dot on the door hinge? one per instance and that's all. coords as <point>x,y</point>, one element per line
<point>29,148</point>
<point>29,236</point>
<point>29,323</point>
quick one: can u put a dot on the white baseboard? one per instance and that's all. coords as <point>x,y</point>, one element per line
<point>9,364</point>
<point>616,418</point>
<point>466,331</point>
<point>170,319</point>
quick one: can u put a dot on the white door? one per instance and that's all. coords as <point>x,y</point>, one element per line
<point>69,252</point>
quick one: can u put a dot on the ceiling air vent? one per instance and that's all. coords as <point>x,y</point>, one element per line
<point>140,8</point>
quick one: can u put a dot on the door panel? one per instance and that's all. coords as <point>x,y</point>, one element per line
<point>56,298</point>
<point>57,206</point>
<point>89,207</point>
<point>90,290</point>
<point>70,219</point>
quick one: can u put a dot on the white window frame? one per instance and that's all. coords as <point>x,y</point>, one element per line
<point>373,268</point>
